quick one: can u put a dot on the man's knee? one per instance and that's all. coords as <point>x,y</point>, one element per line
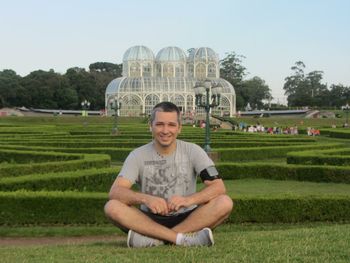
<point>113,208</point>
<point>224,204</point>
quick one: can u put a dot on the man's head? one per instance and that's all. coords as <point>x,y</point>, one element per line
<point>165,126</point>
<point>165,106</point>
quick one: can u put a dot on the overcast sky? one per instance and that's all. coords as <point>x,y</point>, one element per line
<point>271,34</point>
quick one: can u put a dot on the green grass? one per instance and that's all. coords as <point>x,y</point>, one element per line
<point>274,188</point>
<point>234,243</point>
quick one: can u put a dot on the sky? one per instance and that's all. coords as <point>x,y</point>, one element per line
<point>271,34</point>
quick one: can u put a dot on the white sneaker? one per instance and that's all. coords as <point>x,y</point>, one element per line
<point>137,240</point>
<point>203,237</point>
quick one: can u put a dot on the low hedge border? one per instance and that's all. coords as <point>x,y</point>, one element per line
<point>257,153</point>
<point>99,180</point>
<point>88,161</point>
<point>20,156</point>
<point>339,157</point>
<point>114,153</point>
<point>291,210</point>
<point>344,134</point>
<point>41,208</point>
<point>132,144</point>
<point>312,173</point>
<point>225,154</point>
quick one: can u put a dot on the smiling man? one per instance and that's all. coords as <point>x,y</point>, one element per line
<point>165,170</point>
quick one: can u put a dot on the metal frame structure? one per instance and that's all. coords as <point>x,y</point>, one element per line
<point>170,76</point>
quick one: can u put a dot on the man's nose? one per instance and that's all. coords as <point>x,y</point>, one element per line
<point>165,129</point>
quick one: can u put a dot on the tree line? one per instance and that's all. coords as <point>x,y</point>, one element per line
<point>307,89</point>
<point>52,90</point>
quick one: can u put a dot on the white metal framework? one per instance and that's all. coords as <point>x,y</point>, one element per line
<point>170,76</point>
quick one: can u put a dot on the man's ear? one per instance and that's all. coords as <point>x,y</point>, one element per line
<point>150,129</point>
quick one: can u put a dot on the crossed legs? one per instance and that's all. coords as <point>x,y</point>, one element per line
<point>209,215</point>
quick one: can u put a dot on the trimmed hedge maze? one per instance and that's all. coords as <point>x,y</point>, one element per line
<point>59,171</point>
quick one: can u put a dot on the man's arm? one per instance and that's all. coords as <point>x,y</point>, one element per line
<point>213,188</point>
<point>121,191</point>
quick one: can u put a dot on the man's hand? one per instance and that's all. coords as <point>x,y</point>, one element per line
<point>176,202</point>
<point>157,205</point>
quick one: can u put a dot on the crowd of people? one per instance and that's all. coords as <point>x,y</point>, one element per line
<point>258,128</point>
<point>270,130</point>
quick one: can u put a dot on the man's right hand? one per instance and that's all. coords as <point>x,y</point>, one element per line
<point>157,205</point>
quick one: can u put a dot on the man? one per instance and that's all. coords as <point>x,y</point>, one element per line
<point>171,211</point>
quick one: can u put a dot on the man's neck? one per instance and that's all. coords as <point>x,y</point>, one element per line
<point>164,150</point>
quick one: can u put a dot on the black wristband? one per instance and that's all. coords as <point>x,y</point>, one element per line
<point>210,173</point>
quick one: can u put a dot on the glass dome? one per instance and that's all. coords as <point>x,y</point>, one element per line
<point>171,54</point>
<point>139,95</point>
<point>171,62</point>
<point>138,53</point>
<point>171,77</point>
<point>205,54</point>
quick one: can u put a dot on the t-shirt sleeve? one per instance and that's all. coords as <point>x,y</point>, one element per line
<point>200,159</point>
<point>130,169</point>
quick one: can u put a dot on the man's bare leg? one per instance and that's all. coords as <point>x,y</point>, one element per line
<point>132,218</point>
<point>209,215</point>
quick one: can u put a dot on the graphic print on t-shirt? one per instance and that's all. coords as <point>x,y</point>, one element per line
<point>161,179</point>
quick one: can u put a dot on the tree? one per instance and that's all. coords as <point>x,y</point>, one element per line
<point>251,91</point>
<point>39,89</point>
<point>254,91</point>
<point>305,90</point>
<point>103,73</point>
<point>319,92</point>
<point>339,95</point>
<point>233,71</point>
<point>113,69</point>
<point>9,87</point>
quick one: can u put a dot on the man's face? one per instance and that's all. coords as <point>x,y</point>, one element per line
<point>165,128</point>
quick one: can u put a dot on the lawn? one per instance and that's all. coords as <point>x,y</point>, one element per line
<point>316,242</point>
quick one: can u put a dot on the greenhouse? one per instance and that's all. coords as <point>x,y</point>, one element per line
<point>170,76</point>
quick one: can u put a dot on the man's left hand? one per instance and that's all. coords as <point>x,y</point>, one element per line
<point>176,202</point>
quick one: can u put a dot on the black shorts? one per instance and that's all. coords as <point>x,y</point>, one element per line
<point>169,221</point>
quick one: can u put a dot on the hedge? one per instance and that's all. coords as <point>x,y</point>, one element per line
<point>312,173</point>
<point>345,134</point>
<point>290,210</point>
<point>225,154</point>
<point>37,208</point>
<point>42,208</point>
<point>339,157</point>
<point>88,161</point>
<point>114,153</point>
<point>134,143</point>
<point>19,156</point>
<point>82,180</point>
<point>257,153</point>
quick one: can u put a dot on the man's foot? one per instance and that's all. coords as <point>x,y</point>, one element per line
<point>203,237</point>
<point>137,240</point>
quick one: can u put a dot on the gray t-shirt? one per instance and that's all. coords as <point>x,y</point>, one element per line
<point>165,176</point>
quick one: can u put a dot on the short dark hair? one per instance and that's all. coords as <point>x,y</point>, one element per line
<point>165,106</point>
